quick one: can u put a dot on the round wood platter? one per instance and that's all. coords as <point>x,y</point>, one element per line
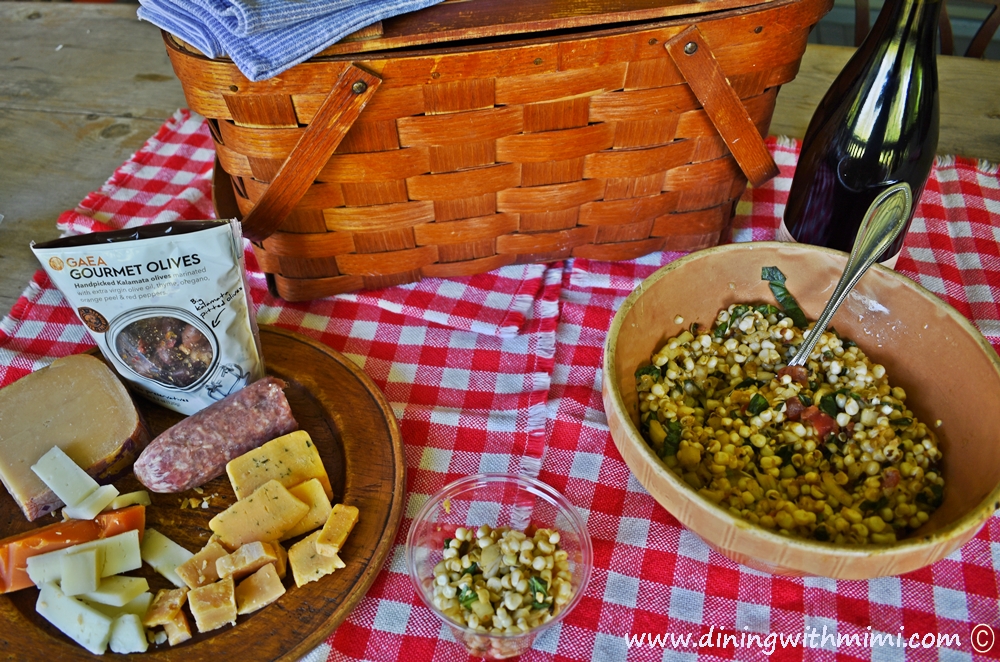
<point>354,429</point>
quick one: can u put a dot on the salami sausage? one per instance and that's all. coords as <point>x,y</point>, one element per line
<point>197,449</point>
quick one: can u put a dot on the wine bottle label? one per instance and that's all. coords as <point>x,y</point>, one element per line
<point>782,234</point>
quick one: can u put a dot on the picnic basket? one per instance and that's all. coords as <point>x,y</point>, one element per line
<point>480,133</point>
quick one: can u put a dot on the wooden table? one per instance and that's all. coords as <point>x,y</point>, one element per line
<point>82,86</point>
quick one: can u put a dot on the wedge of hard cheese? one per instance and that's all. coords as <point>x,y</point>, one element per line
<point>78,404</point>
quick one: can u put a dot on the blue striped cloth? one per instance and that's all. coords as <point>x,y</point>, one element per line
<point>265,37</point>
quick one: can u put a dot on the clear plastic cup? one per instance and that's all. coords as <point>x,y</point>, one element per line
<point>497,500</point>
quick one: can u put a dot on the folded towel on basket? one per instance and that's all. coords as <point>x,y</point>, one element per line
<point>265,37</point>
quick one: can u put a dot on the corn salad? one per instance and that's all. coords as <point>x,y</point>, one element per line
<point>500,581</point>
<point>826,451</point>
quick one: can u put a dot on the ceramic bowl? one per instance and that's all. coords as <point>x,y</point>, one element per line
<point>497,500</point>
<point>945,365</point>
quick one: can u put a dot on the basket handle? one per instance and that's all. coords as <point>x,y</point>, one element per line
<point>691,54</point>
<point>341,108</point>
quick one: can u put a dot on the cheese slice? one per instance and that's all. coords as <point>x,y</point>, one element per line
<point>338,526</point>
<point>117,591</point>
<point>164,555</point>
<point>138,498</point>
<point>308,565</point>
<point>81,623</point>
<point>64,477</point>
<point>265,515</point>
<point>77,404</point>
<point>138,606</point>
<point>290,459</point>
<point>312,494</point>
<point>81,570</point>
<point>121,554</point>
<point>16,550</point>
<point>98,500</point>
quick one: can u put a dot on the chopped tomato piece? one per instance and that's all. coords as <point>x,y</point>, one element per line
<point>793,408</point>
<point>821,422</point>
<point>798,373</point>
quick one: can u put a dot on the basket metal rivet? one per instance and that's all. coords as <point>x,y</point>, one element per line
<point>538,61</point>
<point>233,88</point>
<point>359,87</point>
<point>652,42</point>
<point>759,29</point>
<point>690,48</point>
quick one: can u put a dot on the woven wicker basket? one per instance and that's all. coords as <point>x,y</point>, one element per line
<point>476,134</point>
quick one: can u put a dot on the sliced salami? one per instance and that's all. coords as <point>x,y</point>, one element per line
<point>197,449</point>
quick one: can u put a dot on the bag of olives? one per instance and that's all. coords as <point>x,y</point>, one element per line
<point>166,304</point>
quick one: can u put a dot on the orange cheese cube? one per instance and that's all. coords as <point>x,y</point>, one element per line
<point>213,605</point>
<point>258,590</point>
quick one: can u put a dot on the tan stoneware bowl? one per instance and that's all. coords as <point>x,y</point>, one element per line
<point>947,368</point>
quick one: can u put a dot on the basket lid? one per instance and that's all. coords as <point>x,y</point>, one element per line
<point>458,20</point>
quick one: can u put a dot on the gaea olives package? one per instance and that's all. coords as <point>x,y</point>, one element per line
<point>167,305</point>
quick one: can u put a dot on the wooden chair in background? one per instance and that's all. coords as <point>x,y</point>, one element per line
<point>977,47</point>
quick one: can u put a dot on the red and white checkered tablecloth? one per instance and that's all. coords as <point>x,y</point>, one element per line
<point>501,372</point>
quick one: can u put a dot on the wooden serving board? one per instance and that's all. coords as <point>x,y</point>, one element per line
<point>358,438</point>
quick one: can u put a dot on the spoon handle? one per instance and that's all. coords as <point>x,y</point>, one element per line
<point>882,223</point>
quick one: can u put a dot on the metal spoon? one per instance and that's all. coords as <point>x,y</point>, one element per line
<point>882,223</point>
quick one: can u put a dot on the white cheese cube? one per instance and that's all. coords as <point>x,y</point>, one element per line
<point>89,508</point>
<point>64,476</point>
<point>164,555</point>
<point>116,591</point>
<point>81,623</point>
<point>121,554</point>
<point>128,635</point>
<point>81,570</point>
<point>139,498</point>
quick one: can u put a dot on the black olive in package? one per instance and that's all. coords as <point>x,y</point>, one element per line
<point>167,305</point>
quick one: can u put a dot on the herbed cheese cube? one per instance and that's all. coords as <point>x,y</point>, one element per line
<point>246,560</point>
<point>78,621</point>
<point>64,476</point>
<point>312,494</point>
<point>338,526</point>
<point>121,554</point>
<point>291,459</point>
<point>117,591</point>
<point>265,515</point>
<point>164,555</point>
<point>128,635</point>
<point>200,570</point>
<point>214,605</point>
<point>166,605</point>
<point>259,590</point>
<point>81,571</point>
<point>98,500</point>
<point>308,565</point>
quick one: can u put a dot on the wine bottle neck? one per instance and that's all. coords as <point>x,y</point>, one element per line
<point>902,21</point>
